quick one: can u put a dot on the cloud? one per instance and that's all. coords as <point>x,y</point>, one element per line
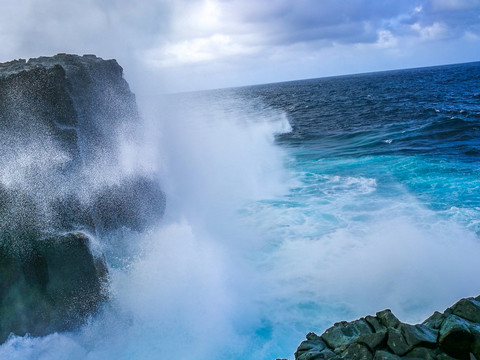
<point>195,51</point>
<point>213,40</point>
<point>386,39</point>
<point>435,31</point>
<point>111,29</point>
<point>448,5</point>
<point>215,29</point>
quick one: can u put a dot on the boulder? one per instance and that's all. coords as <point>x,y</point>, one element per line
<point>475,346</point>
<point>374,322</point>
<point>421,353</point>
<point>396,342</point>
<point>434,321</point>
<point>455,337</point>
<point>314,348</point>
<point>357,352</point>
<point>342,334</point>
<point>373,340</point>
<point>468,309</point>
<point>416,335</point>
<point>385,355</point>
<point>454,334</point>
<point>387,319</point>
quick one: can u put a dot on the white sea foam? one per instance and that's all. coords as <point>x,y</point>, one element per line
<point>184,289</point>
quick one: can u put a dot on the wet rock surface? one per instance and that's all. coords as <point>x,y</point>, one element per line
<point>63,119</point>
<point>79,101</point>
<point>52,284</point>
<point>454,334</point>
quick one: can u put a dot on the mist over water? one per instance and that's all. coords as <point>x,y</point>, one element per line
<point>285,213</point>
<point>183,284</point>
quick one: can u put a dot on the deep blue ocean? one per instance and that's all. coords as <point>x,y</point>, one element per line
<point>364,144</point>
<point>291,206</point>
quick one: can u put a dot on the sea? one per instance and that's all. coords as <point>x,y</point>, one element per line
<point>292,206</point>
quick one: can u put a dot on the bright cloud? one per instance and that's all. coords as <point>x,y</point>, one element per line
<point>386,39</point>
<point>433,32</point>
<point>197,50</point>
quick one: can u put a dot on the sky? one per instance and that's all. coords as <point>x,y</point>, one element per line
<point>183,45</point>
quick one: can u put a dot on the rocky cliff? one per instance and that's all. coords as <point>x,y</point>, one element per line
<point>63,120</point>
<point>79,101</point>
<point>454,334</point>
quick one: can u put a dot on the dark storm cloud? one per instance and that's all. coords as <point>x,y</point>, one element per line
<point>306,20</point>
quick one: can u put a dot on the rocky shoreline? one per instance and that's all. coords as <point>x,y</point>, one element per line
<point>453,334</point>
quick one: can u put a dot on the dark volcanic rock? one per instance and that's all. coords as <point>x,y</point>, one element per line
<point>62,119</point>
<point>51,286</point>
<point>357,352</point>
<point>79,100</point>
<point>455,334</point>
<point>387,319</point>
<point>421,353</point>
<point>456,337</point>
<point>418,335</point>
<point>468,309</point>
<point>396,342</point>
<point>121,204</point>
<point>341,335</point>
<point>313,348</point>
<point>434,321</point>
<point>385,355</point>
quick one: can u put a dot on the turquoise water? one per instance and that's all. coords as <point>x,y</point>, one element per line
<point>375,139</point>
<point>386,206</point>
<point>289,207</point>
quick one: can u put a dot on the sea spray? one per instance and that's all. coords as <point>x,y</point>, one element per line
<point>188,275</point>
<point>59,118</point>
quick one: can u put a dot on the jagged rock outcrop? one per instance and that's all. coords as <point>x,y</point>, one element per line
<point>78,100</point>
<point>455,334</point>
<point>62,119</point>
